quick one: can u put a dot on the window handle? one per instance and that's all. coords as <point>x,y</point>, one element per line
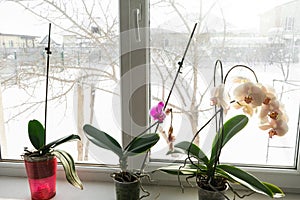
<point>137,19</point>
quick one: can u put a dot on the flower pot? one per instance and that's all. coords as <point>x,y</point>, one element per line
<point>127,190</point>
<point>41,174</point>
<point>204,194</point>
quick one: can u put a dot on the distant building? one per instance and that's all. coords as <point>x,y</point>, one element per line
<point>282,19</point>
<point>44,42</point>
<point>69,40</point>
<point>17,41</point>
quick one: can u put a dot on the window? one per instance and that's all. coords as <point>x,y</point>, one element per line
<point>220,36</point>
<point>84,72</point>
<point>87,57</point>
<point>252,33</point>
<point>289,23</point>
<point>11,43</point>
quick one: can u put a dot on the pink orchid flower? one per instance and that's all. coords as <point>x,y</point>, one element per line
<point>157,112</point>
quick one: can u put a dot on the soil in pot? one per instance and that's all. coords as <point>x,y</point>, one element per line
<point>41,174</point>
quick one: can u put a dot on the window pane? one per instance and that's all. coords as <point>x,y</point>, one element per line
<point>84,72</point>
<point>260,34</point>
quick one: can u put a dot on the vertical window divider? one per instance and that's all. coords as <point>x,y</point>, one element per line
<point>134,58</point>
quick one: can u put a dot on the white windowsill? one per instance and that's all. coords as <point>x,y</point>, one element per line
<point>16,188</point>
<point>98,185</point>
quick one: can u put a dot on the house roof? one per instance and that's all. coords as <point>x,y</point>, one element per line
<point>45,41</point>
<point>18,35</point>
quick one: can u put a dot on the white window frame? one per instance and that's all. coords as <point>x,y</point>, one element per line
<point>134,54</point>
<point>134,51</point>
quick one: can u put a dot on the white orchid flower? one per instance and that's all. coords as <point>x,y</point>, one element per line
<point>219,97</point>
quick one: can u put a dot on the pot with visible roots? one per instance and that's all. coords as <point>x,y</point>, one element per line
<point>127,186</point>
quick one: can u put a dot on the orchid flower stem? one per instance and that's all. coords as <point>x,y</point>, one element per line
<point>221,70</point>
<point>47,78</point>
<point>172,87</point>
<point>240,66</point>
<point>179,69</point>
<point>218,121</point>
<point>156,123</point>
<point>180,66</point>
<point>220,129</point>
<point>197,133</point>
<point>147,153</point>
<point>218,116</point>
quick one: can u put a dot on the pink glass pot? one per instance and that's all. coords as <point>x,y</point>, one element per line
<point>41,173</point>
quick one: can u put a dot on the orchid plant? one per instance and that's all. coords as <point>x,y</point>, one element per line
<point>139,144</point>
<point>37,136</point>
<point>252,98</point>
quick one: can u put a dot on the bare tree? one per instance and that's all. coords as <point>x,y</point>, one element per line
<point>95,27</point>
<point>79,68</point>
<point>75,66</point>
<point>190,92</point>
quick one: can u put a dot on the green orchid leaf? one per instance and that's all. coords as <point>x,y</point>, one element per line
<point>188,169</point>
<point>69,167</point>
<point>230,129</point>
<point>246,179</point>
<point>222,173</point>
<point>175,170</point>
<point>62,140</point>
<point>194,150</point>
<point>141,144</point>
<point>278,193</point>
<point>36,134</point>
<point>102,140</point>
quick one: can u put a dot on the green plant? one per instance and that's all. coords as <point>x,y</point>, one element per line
<point>209,172</point>
<point>213,175</point>
<point>138,145</point>
<point>37,136</point>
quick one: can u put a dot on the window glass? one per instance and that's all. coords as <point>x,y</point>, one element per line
<point>263,35</point>
<point>83,75</point>
<point>84,71</point>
